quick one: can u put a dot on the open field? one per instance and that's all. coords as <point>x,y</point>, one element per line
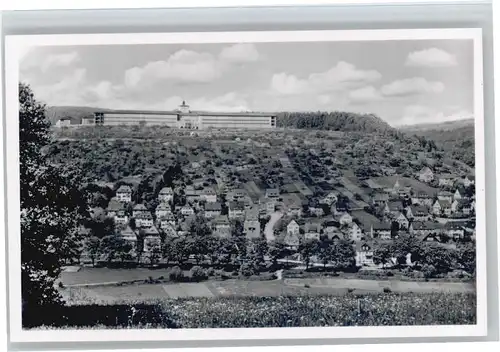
<point>237,288</point>
<point>382,309</point>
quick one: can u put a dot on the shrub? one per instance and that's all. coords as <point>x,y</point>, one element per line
<point>61,285</point>
<point>211,272</point>
<point>198,274</point>
<point>428,271</point>
<point>307,286</point>
<point>350,290</point>
<point>176,274</point>
<point>387,290</point>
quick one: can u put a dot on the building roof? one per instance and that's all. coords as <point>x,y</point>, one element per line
<point>124,189</point>
<point>445,193</point>
<point>312,227</point>
<point>221,220</point>
<point>382,225</point>
<point>381,197</point>
<point>140,207</point>
<point>166,190</point>
<point>216,206</point>
<point>292,223</point>
<point>163,206</point>
<point>426,225</point>
<point>236,206</point>
<point>151,231</point>
<point>144,215</point>
<point>114,205</point>
<point>419,208</point>
<point>360,246</point>
<point>425,169</point>
<point>448,176</point>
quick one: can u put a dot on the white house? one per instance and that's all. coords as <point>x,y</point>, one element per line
<point>292,241</point>
<point>236,210</point>
<point>446,180</point>
<point>426,175</point>
<point>293,227</point>
<point>187,210</point>
<point>144,220</point>
<point>121,217</point>
<point>139,209</point>
<point>329,199</point>
<point>166,195</point>
<point>344,219</point>
<point>445,196</point>
<point>457,195</point>
<point>208,194</point>
<point>124,194</point>
<point>212,210</point>
<point>354,232</point>
<point>251,228</point>
<point>364,254</point>
<point>402,221</point>
<point>162,210</point>
<point>312,231</point>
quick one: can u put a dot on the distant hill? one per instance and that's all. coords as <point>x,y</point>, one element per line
<point>333,121</point>
<point>455,137</point>
<point>76,113</point>
<point>442,126</point>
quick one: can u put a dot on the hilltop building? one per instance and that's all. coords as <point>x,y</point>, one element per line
<point>184,118</point>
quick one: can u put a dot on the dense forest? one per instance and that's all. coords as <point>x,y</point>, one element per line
<point>335,121</point>
<point>457,142</point>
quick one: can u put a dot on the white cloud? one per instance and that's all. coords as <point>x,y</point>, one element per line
<point>65,91</point>
<point>340,77</point>
<point>418,114</point>
<point>286,84</point>
<point>55,60</point>
<point>183,66</point>
<point>411,86</point>
<point>239,53</point>
<point>432,57</point>
<point>364,95</point>
<point>324,99</point>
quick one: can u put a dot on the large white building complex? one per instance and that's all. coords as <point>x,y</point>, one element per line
<point>184,118</point>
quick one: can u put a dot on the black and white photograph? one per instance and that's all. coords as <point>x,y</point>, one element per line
<point>324,179</point>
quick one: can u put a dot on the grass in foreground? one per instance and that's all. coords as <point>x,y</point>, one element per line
<point>283,311</point>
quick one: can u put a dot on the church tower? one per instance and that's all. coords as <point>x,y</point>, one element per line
<point>184,108</point>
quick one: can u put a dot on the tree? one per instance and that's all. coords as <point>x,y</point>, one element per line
<point>382,253</point>
<point>154,252</point>
<point>112,246</point>
<point>276,250</point>
<point>441,258</point>
<point>467,257</point>
<point>307,249</point>
<point>93,247</point>
<point>52,206</point>
<point>343,254</point>
<point>407,244</point>
<point>325,251</point>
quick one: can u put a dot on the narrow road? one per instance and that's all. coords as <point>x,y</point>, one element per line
<point>269,229</point>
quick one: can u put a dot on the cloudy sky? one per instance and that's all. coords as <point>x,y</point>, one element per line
<point>404,82</point>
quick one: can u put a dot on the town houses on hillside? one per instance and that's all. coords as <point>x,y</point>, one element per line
<point>430,204</point>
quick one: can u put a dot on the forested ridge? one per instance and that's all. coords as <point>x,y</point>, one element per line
<point>335,121</point>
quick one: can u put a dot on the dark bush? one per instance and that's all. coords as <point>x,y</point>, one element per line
<point>387,290</point>
<point>176,274</point>
<point>198,274</point>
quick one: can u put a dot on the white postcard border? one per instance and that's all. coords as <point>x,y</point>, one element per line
<point>15,45</point>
